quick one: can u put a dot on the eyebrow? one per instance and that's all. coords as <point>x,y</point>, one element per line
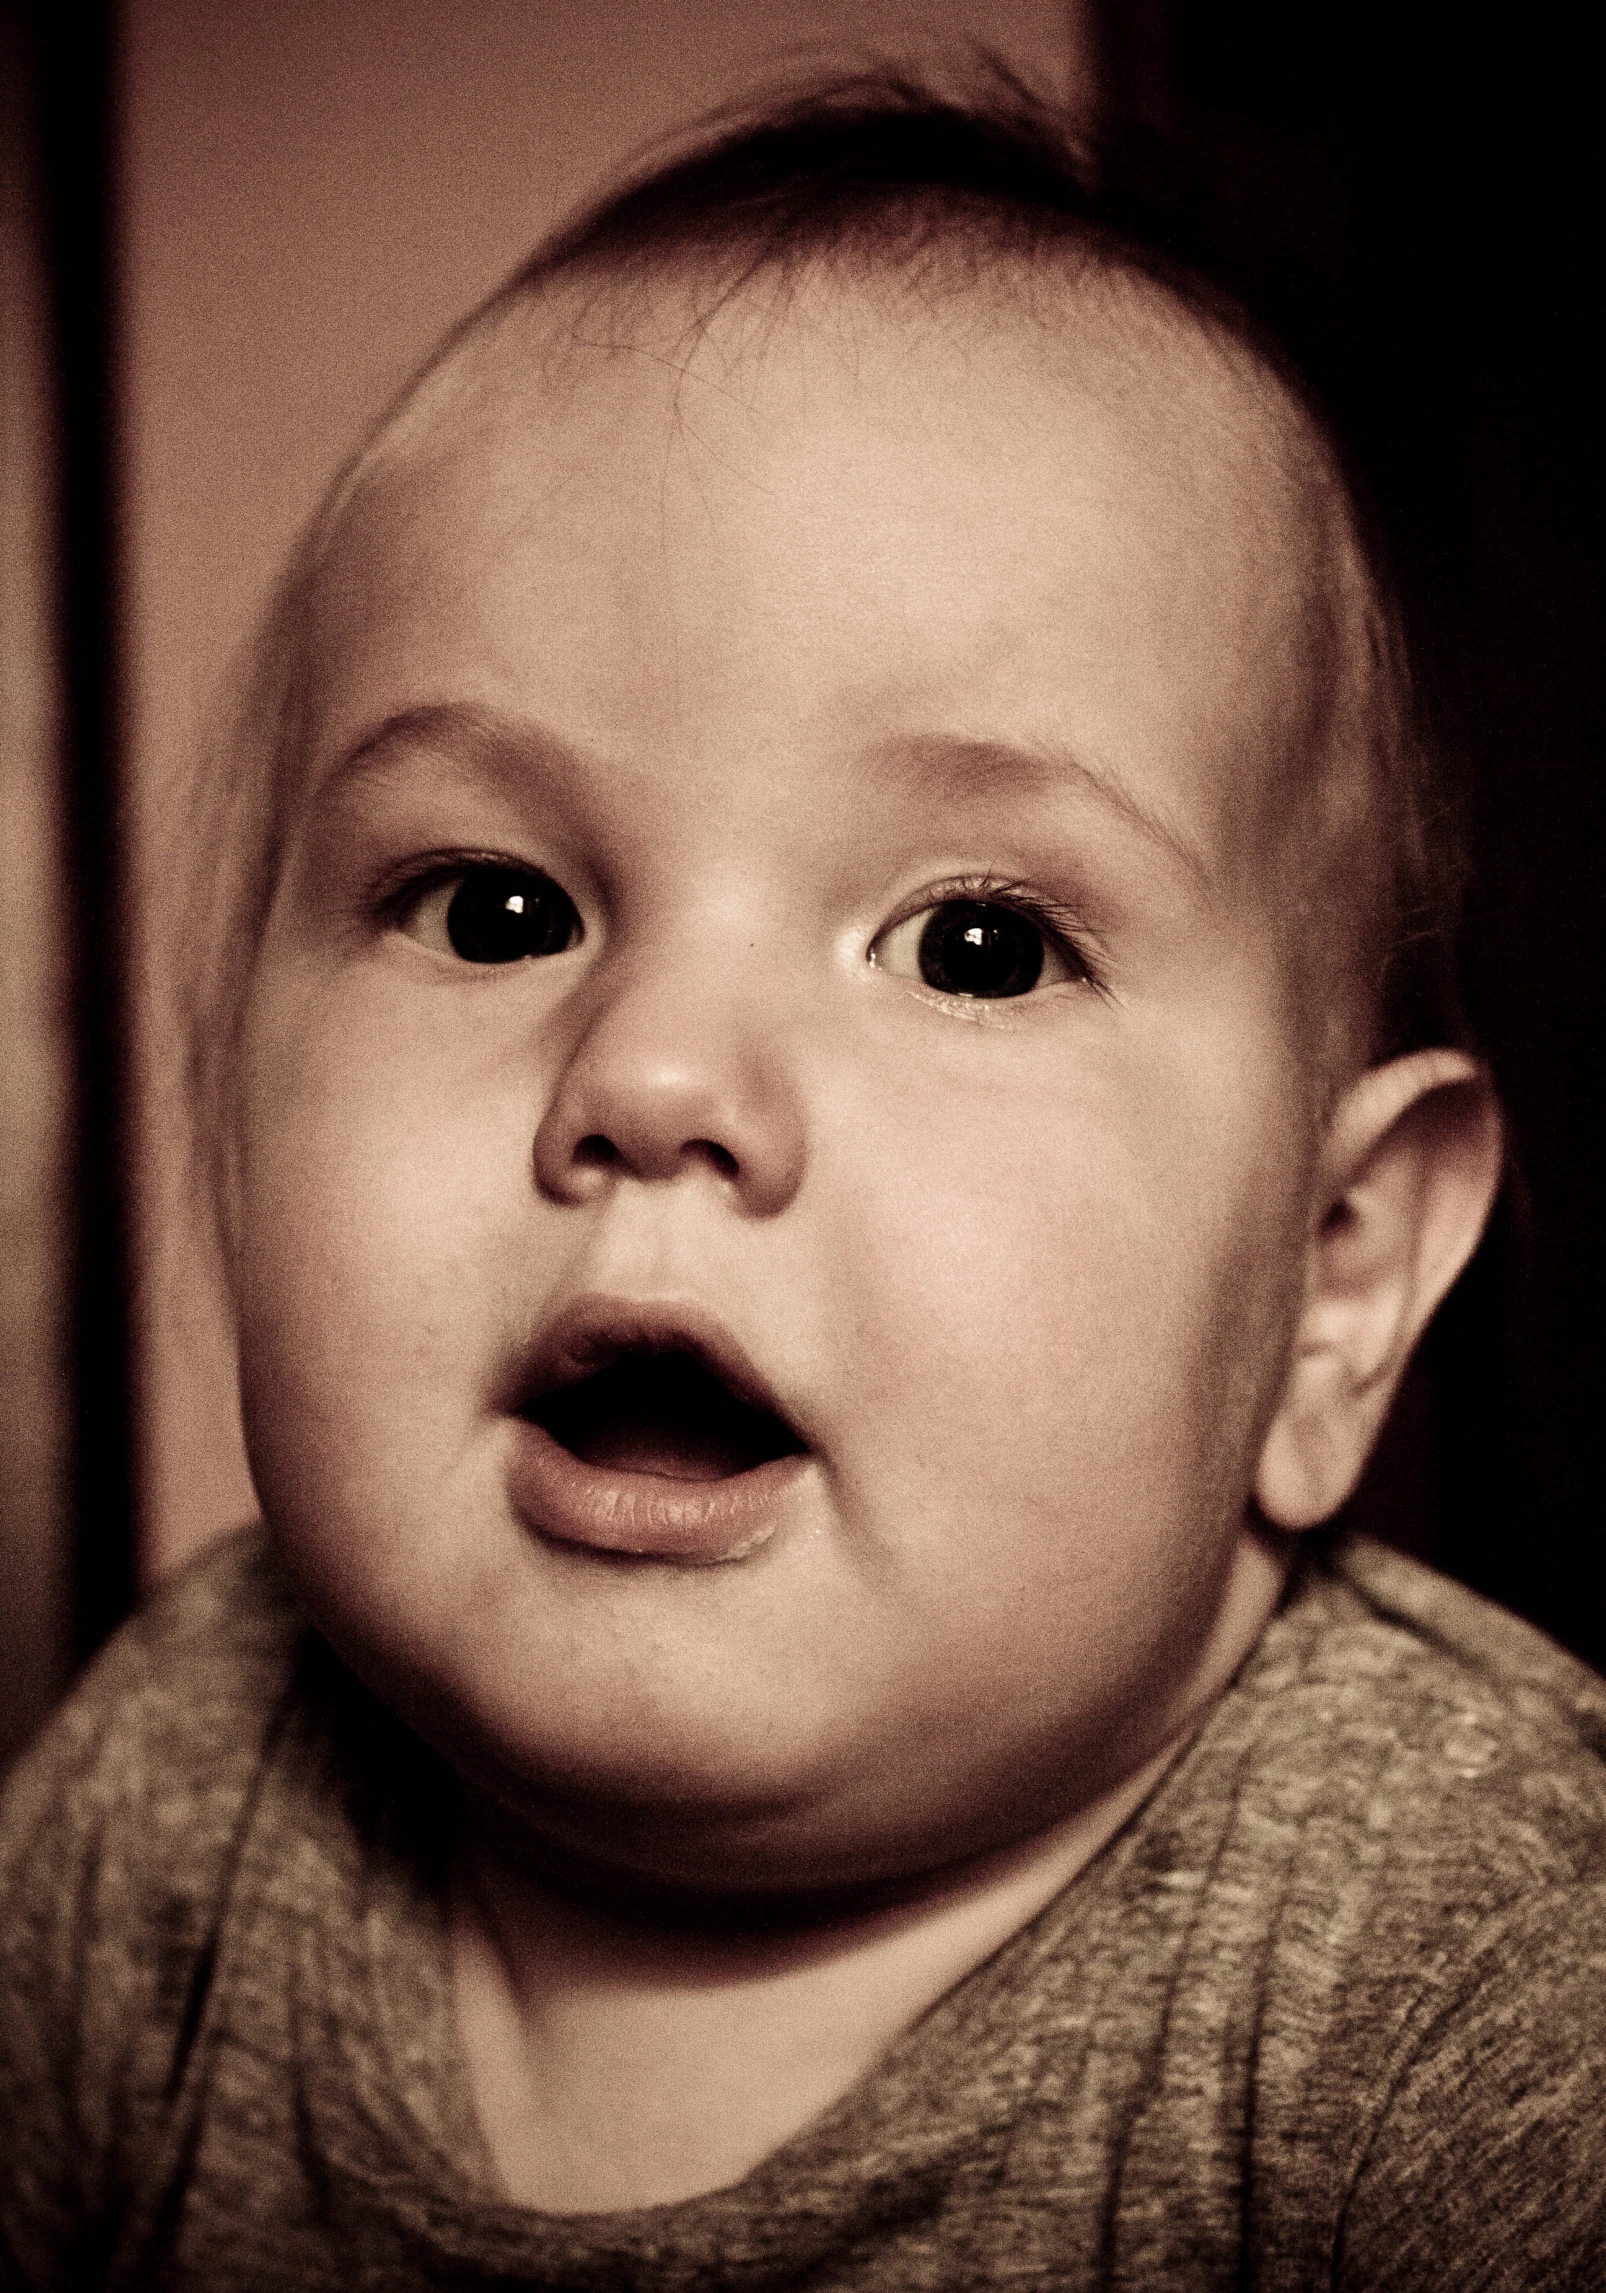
<point>479,736</point>
<point>955,768</point>
<point>961,769</point>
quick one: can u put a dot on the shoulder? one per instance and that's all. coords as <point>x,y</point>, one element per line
<point>165,1726</point>
<point>1436,2010</point>
<point>116,1831</point>
<point>1486,2163</point>
<point>1457,1633</point>
<point>1476,1744</point>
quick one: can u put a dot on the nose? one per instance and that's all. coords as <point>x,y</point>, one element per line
<point>673,1074</point>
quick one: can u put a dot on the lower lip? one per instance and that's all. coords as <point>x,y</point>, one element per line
<point>648,1515</point>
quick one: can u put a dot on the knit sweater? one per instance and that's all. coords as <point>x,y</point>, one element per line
<point>1329,2010</point>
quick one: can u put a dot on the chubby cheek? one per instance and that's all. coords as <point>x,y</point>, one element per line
<point>375,1279</point>
<point>1069,1304</point>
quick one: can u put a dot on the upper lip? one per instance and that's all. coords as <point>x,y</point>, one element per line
<point>592,1331</point>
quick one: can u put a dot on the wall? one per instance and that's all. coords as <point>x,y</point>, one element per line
<point>35,1058</point>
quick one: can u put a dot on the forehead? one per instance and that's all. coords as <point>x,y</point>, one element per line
<point>1067,519</point>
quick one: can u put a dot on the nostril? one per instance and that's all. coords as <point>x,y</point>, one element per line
<point>720,1157</point>
<point>596,1151</point>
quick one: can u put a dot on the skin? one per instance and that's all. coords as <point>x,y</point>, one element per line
<point>758,647</point>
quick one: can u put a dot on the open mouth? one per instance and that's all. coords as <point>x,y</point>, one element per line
<point>644,1433</point>
<point>662,1411</point>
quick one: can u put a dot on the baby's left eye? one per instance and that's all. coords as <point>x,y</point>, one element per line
<point>977,948</point>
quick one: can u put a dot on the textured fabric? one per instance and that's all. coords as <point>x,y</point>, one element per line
<point>1330,2010</point>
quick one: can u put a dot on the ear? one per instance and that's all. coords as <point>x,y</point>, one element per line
<point>1410,1169</point>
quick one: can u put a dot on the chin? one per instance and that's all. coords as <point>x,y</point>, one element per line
<point>782,1793</point>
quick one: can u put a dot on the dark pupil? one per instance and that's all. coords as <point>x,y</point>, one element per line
<point>500,915</point>
<point>971,947</point>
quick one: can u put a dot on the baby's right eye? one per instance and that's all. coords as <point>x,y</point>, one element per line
<point>492,914</point>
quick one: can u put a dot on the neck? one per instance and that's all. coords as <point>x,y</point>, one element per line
<point>634,2049</point>
<point>632,2044</point>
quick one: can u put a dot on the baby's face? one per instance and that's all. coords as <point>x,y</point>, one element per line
<point>773,1173</point>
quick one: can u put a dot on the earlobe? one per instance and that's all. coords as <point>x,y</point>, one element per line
<point>1410,1170</point>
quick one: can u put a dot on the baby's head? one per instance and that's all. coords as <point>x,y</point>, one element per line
<point>816,1175</point>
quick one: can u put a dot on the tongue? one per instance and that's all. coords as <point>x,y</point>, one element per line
<point>664,1414</point>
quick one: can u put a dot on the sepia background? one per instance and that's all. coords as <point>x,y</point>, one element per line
<point>230,230</point>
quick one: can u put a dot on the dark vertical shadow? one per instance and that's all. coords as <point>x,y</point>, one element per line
<point>1440,176</point>
<point>73,63</point>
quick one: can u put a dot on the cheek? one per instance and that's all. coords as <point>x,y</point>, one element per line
<point>1070,1291</point>
<point>375,1275</point>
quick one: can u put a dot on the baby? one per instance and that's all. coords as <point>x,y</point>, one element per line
<point>824,1180</point>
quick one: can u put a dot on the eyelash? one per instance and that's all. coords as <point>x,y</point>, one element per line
<point>403,888</point>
